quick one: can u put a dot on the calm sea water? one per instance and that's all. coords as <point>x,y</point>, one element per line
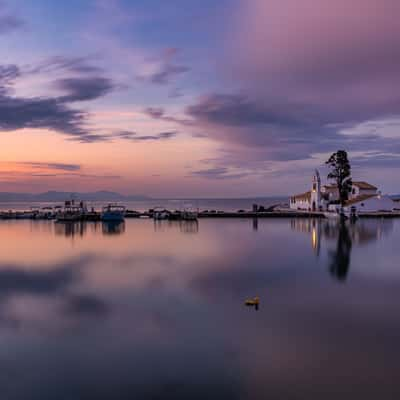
<point>146,310</point>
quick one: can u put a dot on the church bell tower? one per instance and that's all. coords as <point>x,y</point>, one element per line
<point>316,192</point>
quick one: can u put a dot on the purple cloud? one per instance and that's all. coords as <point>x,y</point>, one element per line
<point>84,88</point>
<point>124,135</point>
<point>217,173</point>
<point>305,70</point>
<point>51,113</point>
<point>56,166</point>
<point>165,69</point>
<point>166,73</point>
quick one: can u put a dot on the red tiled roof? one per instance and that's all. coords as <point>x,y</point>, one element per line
<point>364,185</point>
<point>303,196</point>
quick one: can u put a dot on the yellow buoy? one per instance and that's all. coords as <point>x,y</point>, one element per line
<point>252,302</point>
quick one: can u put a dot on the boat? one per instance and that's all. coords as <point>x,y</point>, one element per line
<point>46,213</point>
<point>188,214</point>
<point>132,214</point>
<point>71,212</point>
<point>160,213</point>
<point>24,215</point>
<point>7,215</point>
<point>175,215</point>
<point>113,212</point>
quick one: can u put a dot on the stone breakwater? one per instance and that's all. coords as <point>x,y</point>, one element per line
<point>96,216</point>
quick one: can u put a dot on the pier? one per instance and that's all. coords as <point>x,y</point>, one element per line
<point>175,215</point>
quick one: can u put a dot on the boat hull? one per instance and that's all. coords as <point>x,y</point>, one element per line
<point>115,216</point>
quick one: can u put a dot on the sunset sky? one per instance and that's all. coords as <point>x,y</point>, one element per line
<point>227,98</point>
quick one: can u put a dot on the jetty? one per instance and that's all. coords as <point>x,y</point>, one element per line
<point>93,215</point>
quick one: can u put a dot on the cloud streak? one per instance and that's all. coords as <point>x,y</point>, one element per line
<point>163,69</point>
<point>54,166</point>
<point>77,65</point>
<point>84,88</point>
<point>218,173</point>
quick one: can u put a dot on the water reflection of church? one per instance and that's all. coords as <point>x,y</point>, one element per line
<point>339,237</point>
<point>361,232</point>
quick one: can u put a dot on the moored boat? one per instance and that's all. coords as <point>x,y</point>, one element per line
<point>160,213</point>
<point>189,215</point>
<point>113,212</point>
<point>71,212</point>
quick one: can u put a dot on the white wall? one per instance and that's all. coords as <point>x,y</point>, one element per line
<point>378,203</point>
<point>302,205</point>
<point>358,192</point>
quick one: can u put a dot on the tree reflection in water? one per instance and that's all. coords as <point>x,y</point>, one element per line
<point>340,258</point>
<point>339,238</point>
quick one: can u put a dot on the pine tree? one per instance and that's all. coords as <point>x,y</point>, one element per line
<point>341,173</point>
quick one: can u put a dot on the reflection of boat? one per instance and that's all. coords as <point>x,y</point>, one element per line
<point>113,212</point>
<point>189,226</point>
<point>70,228</point>
<point>113,227</point>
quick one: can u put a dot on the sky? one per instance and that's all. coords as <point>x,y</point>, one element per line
<point>181,98</point>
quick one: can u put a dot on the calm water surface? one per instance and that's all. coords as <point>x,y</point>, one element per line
<point>155,311</point>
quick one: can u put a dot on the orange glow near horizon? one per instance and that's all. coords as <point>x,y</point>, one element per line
<point>130,167</point>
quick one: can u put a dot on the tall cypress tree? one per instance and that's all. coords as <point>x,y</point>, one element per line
<point>341,173</point>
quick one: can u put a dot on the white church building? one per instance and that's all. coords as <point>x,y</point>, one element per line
<point>363,197</point>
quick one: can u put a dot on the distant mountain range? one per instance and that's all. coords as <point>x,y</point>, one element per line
<point>52,195</point>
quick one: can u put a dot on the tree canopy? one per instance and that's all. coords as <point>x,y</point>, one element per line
<point>341,173</point>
